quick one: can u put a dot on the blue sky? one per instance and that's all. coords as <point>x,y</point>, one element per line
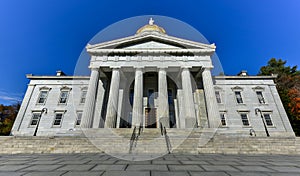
<point>42,36</point>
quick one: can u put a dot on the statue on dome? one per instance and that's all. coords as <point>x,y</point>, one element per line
<point>151,21</point>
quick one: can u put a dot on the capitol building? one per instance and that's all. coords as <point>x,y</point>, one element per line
<point>152,80</point>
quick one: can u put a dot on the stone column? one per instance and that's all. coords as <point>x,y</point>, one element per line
<point>188,99</point>
<point>210,98</point>
<point>163,104</point>
<point>98,104</point>
<point>89,105</point>
<point>112,105</point>
<point>137,111</point>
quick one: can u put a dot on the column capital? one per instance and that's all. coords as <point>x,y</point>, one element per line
<point>206,69</point>
<point>139,68</point>
<point>115,67</point>
<point>94,68</point>
<point>162,67</point>
<point>185,67</point>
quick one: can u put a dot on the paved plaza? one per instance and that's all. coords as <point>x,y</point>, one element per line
<point>172,164</point>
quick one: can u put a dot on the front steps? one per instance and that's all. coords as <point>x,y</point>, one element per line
<point>37,144</point>
<point>251,145</point>
<point>116,142</point>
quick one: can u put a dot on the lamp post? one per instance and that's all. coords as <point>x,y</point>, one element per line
<point>38,122</point>
<point>262,118</point>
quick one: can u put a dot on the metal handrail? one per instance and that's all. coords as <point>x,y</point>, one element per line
<point>134,137</point>
<point>138,135</point>
<point>132,140</point>
<point>163,131</point>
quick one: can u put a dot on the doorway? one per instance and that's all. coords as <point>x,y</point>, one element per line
<point>150,118</point>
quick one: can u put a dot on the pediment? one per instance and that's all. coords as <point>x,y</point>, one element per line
<point>45,88</point>
<point>218,88</point>
<point>258,88</point>
<point>152,45</point>
<point>237,88</point>
<point>150,41</point>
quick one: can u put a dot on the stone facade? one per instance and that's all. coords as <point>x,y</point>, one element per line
<point>151,79</point>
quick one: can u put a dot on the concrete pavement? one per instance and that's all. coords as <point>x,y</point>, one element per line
<point>172,164</point>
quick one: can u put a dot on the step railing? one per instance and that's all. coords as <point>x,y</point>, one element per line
<point>134,137</point>
<point>164,133</point>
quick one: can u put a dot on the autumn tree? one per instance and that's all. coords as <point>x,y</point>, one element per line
<point>288,86</point>
<point>7,117</point>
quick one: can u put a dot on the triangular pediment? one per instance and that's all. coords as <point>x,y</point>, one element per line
<point>152,45</point>
<point>218,88</point>
<point>150,41</point>
<point>237,88</point>
<point>258,88</point>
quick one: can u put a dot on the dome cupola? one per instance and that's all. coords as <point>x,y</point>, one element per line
<point>151,27</point>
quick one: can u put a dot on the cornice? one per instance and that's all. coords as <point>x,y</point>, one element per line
<point>244,77</point>
<point>150,51</point>
<point>59,77</point>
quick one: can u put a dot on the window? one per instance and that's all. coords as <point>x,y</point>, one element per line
<point>218,96</point>
<point>42,97</point>
<point>58,119</point>
<point>34,119</point>
<point>223,120</point>
<point>78,120</point>
<point>245,120</point>
<point>268,119</point>
<point>238,97</point>
<point>63,97</point>
<point>260,97</point>
<point>83,97</point>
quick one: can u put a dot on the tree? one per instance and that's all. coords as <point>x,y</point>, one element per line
<point>7,117</point>
<point>288,86</point>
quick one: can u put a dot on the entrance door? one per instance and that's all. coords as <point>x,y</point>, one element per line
<point>150,118</point>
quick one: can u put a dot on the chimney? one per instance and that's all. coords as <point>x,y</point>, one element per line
<point>60,73</point>
<point>243,73</point>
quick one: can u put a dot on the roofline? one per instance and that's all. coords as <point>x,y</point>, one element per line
<point>30,76</point>
<point>151,51</point>
<point>245,77</point>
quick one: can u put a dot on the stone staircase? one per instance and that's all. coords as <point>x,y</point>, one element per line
<point>297,145</point>
<point>36,144</point>
<point>116,142</point>
<point>150,141</point>
<point>227,144</point>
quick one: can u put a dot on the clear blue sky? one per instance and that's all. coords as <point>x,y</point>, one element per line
<point>42,36</point>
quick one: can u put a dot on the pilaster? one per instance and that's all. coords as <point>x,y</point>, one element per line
<point>23,109</point>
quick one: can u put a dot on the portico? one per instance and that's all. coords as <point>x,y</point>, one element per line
<point>136,99</point>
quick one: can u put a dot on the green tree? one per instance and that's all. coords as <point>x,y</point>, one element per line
<point>287,83</point>
<point>7,117</point>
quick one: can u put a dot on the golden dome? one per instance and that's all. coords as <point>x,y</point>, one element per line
<point>151,27</point>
